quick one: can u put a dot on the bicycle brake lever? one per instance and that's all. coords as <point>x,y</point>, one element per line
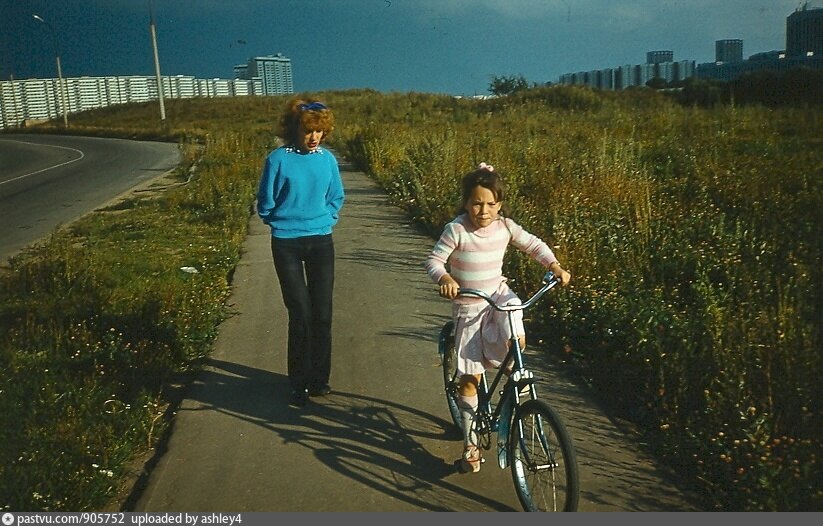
<point>549,277</point>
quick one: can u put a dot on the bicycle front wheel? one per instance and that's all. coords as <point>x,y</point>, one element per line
<point>542,459</point>
<point>450,380</point>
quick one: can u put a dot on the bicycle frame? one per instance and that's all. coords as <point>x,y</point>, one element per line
<point>519,375</point>
<point>531,437</point>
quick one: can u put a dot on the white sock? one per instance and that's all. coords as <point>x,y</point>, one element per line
<point>468,409</point>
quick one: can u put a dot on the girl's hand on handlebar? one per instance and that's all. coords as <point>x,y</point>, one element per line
<point>449,288</point>
<point>562,275</point>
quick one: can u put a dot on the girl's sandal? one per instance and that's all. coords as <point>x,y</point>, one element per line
<point>471,460</point>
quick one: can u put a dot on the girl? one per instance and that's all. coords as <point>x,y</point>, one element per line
<point>473,246</point>
<point>299,197</point>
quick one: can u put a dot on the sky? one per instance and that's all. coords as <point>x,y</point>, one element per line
<point>435,46</point>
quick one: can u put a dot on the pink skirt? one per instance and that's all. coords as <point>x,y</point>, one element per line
<point>481,334</point>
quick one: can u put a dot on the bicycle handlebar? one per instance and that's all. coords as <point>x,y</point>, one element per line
<point>549,282</point>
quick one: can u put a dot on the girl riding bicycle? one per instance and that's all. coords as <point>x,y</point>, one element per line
<point>473,246</point>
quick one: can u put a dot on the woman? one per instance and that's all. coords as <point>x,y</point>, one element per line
<point>299,197</point>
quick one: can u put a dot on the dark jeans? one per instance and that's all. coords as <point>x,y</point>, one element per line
<point>305,269</point>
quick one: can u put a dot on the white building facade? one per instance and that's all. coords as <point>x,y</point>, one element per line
<point>628,75</point>
<point>40,99</point>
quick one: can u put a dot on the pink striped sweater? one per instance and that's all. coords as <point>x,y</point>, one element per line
<point>475,255</point>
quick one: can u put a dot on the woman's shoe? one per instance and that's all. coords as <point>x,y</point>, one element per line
<point>471,460</point>
<point>298,397</point>
<point>321,389</point>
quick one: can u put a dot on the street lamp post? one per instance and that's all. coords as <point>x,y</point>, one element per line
<point>157,65</point>
<point>62,87</point>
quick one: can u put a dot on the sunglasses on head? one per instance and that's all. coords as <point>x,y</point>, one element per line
<point>313,106</point>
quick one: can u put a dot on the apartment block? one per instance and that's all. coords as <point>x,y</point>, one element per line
<point>804,32</point>
<point>273,72</point>
<point>804,49</point>
<point>40,99</point>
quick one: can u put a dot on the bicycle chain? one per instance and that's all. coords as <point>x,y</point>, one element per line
<point>484,432</point>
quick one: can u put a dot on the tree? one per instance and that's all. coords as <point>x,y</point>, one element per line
<point>507,85</point>
<point>702,92</point>
<point>657,83</point>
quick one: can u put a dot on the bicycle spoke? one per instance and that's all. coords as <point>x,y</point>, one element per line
<point>543,464</point>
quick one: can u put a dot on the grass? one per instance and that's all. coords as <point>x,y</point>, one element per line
<point>99,320</point>
<point>693,235</point>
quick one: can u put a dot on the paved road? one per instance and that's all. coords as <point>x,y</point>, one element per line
<point>382,441</point>
<point>49,180</point>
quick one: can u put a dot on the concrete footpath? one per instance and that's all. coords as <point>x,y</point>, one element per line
<point>382,441</point>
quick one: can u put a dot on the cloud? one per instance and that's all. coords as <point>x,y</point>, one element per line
<point>519,9</point>
<point>622,13</point>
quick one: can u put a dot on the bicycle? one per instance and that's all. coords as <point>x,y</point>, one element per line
<point>538,449</point>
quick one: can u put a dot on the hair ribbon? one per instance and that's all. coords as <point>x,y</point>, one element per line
<point>313,106</point>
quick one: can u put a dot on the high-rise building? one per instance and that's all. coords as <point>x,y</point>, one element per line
<point>729,50</point>
<point>659,57</point>
<point>273,71</point>
<point>241,71</point>
<point>804,49</point>
<point>804,32</point>
<point>659,65</point>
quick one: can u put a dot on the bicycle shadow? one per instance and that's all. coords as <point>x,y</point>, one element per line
<point>374,443</point>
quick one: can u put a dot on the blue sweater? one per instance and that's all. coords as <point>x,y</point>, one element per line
<point>300,194</point>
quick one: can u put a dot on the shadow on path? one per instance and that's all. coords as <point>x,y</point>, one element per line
<point>372,442</point>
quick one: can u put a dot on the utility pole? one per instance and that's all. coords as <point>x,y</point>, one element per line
<point>157,65</point>
<point>62,85</point>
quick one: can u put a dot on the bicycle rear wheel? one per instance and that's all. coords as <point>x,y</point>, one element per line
<point>542,459</point>
<point>450,380</point>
